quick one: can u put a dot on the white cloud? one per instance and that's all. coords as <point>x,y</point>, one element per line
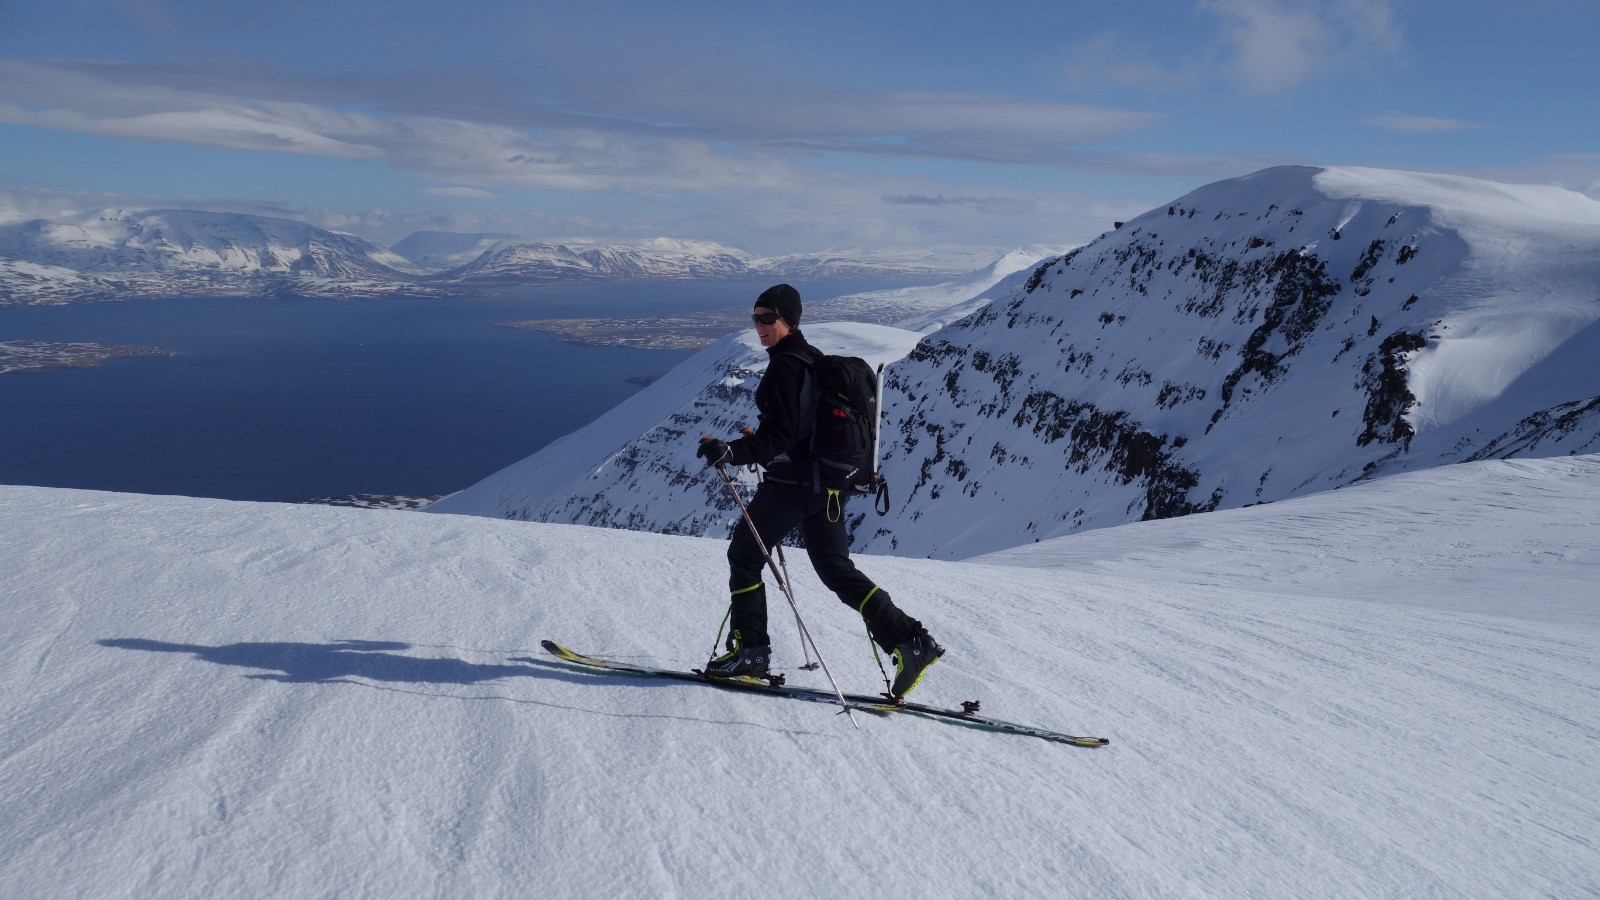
<point>1277,45</point>
<point>1266,46</point>
<point>434,148</point>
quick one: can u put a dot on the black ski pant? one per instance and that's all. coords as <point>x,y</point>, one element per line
<point>777,508</point>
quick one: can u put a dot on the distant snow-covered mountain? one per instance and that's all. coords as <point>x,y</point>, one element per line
<point>923,264</point>
<point>117,254</point>
<point>1292,331</point>
<point>533,262</point>
<point>171,240</point>
<point>668,259</point>
<point>437,251</point>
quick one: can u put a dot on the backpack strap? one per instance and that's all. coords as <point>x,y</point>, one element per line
<point>806,417</point>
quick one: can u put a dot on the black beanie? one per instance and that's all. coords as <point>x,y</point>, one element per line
<point>783,300</point>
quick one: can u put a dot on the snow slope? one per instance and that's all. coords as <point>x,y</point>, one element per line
<point>1262,338</point>
<point>1384,691</point>
<point>635,465</point>
<point>929,307</point>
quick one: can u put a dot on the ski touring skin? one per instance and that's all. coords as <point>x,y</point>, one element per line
<point>774,686</point>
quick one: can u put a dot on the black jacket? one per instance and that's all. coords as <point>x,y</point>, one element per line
<point>776,442</point>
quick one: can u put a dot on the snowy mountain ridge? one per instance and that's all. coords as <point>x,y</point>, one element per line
<point>1262,338</point>
<point>535,262</point>
<point>118,254</point>
<point>523,262</point>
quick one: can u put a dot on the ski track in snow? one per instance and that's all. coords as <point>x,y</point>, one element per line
<point>1388,690</point>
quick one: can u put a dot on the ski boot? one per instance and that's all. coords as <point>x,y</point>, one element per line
<point>743,663</point>
<point>911,661</point>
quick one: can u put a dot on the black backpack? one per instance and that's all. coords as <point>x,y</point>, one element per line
<point>840,399</point>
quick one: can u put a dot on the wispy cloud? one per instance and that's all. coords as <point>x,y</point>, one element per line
<point>1419,124</point>
<point>1111,59</point>
<point>995,205</point>
<point>740,141</point>
<point>771,167</point>
<point>471,193</point>
<point>25,204</point>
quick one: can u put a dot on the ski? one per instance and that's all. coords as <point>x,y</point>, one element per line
<point>774,685</point>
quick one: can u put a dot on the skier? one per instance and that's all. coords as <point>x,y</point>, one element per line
<point>786,498</point>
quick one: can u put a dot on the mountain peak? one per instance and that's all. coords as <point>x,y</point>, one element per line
<point>1265,337</point>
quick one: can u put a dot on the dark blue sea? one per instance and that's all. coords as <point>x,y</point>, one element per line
<point>287,400</point>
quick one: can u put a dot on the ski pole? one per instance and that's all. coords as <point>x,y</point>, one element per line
<point>805,632</point>
<point>804,647</point>
<point>784,564</point>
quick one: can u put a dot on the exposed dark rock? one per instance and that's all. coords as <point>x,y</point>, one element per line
<point>1301,295</point>
<point>1389,396</point>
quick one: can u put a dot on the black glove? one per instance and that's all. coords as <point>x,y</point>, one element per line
<point>713,451</point>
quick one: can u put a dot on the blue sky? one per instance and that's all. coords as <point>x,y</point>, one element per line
<point>776,128</point>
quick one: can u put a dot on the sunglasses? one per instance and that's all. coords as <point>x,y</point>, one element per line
<point>766,318</point>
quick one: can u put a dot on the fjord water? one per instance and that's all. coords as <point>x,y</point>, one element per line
<point>273,399</point>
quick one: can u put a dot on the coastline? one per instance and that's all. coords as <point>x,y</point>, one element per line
<point>52,356</point>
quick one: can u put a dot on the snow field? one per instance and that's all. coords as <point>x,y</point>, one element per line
<point>1388,690</point>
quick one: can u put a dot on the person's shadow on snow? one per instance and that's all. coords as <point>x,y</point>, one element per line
<point>311,663</point>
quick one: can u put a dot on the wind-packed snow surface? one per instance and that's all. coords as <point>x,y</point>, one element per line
<point>1262,338</point>
<point>1389,690</point>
